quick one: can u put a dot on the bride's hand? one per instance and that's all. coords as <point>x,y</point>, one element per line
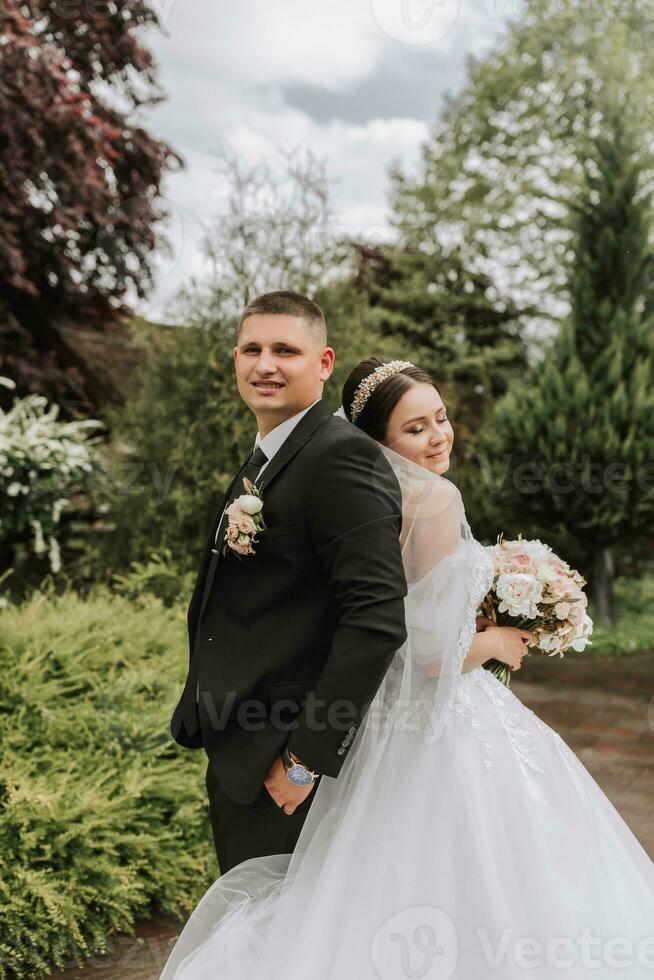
<point>508,644</point>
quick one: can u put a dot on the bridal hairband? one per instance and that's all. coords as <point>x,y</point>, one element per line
<point>372,381</point>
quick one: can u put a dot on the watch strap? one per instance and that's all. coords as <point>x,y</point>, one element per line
<point>287,762</point>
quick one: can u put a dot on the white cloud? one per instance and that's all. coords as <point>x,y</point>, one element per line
<point>330,44</point>
<point>225,68</point>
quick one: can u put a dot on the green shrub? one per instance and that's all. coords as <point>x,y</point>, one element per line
<point>158,576</point>
<point>103,817</point>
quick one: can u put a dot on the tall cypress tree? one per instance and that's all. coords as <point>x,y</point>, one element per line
<point>580,432</point>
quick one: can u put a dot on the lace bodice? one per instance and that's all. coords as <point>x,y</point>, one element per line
<point>483,572</point>
<point>481,579</point>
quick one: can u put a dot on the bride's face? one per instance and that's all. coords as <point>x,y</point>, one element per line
<point>419,429</point>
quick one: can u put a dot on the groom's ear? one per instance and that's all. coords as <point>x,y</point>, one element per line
<point>327,359</point>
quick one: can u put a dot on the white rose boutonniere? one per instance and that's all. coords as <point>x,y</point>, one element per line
<point>250,504</point>
<point>245,520</point>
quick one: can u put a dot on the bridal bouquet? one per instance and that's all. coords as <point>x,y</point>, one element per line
<point>534,589</point>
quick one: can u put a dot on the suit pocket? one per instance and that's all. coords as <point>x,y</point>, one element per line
<point>286,699</point>
<point>278,531</point>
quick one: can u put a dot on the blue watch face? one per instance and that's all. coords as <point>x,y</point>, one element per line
<point>299,775</point>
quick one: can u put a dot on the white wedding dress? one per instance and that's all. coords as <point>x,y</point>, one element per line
<point>462,838</point>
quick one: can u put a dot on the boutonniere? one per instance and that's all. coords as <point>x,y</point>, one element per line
<point>245,520</point>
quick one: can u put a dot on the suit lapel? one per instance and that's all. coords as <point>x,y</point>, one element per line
<point>292,445</point>
<point>298,437</point>
<point>207,554</point>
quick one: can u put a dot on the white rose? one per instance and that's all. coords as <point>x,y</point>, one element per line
<point>250,504</point>
<point>519,594</point>
<point>545,573</point>
<point>582,633</point>
<point>536,548</point>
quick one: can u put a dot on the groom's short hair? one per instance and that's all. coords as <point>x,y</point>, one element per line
<point>293,304</point>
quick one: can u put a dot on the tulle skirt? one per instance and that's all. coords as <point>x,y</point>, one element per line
<point>489,852</point>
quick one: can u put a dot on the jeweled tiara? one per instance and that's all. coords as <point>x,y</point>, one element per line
<point>373,380</point>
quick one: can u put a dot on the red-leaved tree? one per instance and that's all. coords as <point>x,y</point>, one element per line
<point>80,177</point>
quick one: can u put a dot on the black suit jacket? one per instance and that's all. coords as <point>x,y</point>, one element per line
<point>292,642</point>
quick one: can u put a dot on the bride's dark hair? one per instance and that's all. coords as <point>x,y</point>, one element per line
<point>373,418</point>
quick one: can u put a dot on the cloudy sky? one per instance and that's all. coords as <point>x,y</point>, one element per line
<point>355,81</point>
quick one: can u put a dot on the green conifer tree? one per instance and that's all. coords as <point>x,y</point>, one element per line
<point>579,435</point>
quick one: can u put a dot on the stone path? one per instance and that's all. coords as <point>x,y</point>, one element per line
<point>603,709</point>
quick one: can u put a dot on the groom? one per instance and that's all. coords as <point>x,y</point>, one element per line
<point>289,644</point>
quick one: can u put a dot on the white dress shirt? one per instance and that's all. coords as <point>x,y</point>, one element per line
<point>273,442</point>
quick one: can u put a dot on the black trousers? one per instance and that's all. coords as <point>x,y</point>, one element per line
<point>246,830</point>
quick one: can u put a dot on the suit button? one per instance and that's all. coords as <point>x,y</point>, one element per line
<point>210,638</point>
<point>340,751</point>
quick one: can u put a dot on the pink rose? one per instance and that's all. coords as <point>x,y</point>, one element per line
<point>232,532</point>
<point>234,512</point>
<point>520,563</point>
<point>246,525</point>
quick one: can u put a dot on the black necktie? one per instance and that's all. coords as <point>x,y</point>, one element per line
<point>253,465</point>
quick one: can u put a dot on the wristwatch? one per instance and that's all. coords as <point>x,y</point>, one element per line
<point>295,771</point>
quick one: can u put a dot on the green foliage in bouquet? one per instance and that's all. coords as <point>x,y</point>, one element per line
<point>102,816</point>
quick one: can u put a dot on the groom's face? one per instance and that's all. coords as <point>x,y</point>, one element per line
<point>281,366</point>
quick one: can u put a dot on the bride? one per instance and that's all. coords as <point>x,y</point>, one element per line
<point>462,837</point>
